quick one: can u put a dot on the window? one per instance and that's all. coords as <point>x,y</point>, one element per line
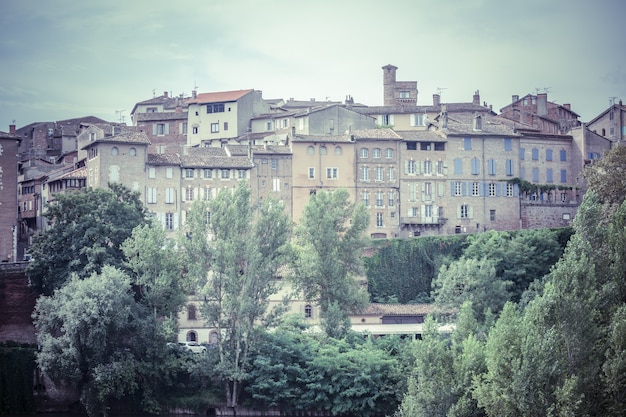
<point>379,219</point>
<point>428,190</point>
<point>440,146</point>
<point>183,128</point>
<point>413,212</point>
<point>491,166</point>
<point>132,152</point>
<point>563,155</point>
<point>410,168</point>
<point>458,188</point>
<point>285,122</point>
<point>323,150</point>
<point>439,167</point>
<point>310,150</point>
<point>376,153</point>
<point>428,167</point>
<point>311,173</point>
<point>338,150</point>
<point>417,119</point>
<point>363,153</point>
<point>476,189</point>
<point>428,211</point>
<point>169,221</point>
<point>169,172</point>
<point>379,174</point>
<point>215,127</point>
<point>191,312</point>
<point>509,190</point>
<point>365,174</point>
<point>475,166</point>
<point>492,215</point>
<point>225,125</point>
<point>508,145</point>
<point>208,173</point>
<point>405,94</point>
<point>522,155</point>
<point>535,174</point>
<point>467,144</point>
<point>308,311</point>
<point>268,126</point>
<point>391,174</point>
<point>389,153</point>
<point>207,194</point>
<point>535,154</point>
<point>170,195</point>
<point>380,197</point>
<point>391,199</point>
<point>215,108</point>
<point>411,146</point>
<point>412,192</point>
<point>194,130</point>
<point>563,175</point>
<point>151,195</point>
<point>464,211</point>
<point>152,172</point>
<point>425,146</point>
<point>241,174</point>
<point>188,172</point>
<point>189,194</point>
<point>225,174</point>
<point>276,184</point>
<point>115,151</point>
<point>365,196</point>
<point>458,166</point>
<point>549,175</point>
<point>332,173</point>
<point>509,167</point>
<point>160,129</point>
<point>548,154</point>
<point>492,189</point>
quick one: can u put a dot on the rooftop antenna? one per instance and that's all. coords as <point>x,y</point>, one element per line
<point>120,115</point>
<point>440,89</point>
<point>612,100</point>
<point>153,92</point>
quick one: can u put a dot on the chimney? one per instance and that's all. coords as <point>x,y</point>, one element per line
<point>165,94</point>
<point>12,129</point>
<point>478,122</point>
<point>567,106</point>
<point>443,117</point>
<point>514,98</point>
<point>436,99</point>
<point>194,93</point>
<point>476,98</point>
<point>542,104</point>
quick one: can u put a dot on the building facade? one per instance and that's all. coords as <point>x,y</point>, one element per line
<point>9,144</point>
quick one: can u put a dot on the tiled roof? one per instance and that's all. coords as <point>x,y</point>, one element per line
<point>302,104</point>
<point>451,108</point>
<point>271,150</point>
<point>217,97</point>
<point>428,135</point>
<point>463,124</point>
<point>163,159</point>
<point>158,116</point>
<point>126,137</point>
<point>397,309</point>
<point>375,134</point>
<point>75,174</point>
<point>237,150</point>
<point>321,138</point>
<point>205,161</point>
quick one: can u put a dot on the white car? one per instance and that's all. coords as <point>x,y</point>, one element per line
<point>195,347</point>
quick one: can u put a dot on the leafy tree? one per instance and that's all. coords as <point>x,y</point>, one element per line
<point>93,335</point>
<point>607,177</point>
<point>156,271</point>
<point>240,253</point>
<point>614,368</point>
<point>87,230</point>
<point>470,280</point>
<point>329,242</point>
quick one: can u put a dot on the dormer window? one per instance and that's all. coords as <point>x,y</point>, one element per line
<point>215,108</point>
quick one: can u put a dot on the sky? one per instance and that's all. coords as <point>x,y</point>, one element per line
<point>62,59</point>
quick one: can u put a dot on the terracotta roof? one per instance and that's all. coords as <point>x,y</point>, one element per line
<point>375,134</point>
<point>126,137</point>
<point>157,116</point>
<point>163,159</point>
<point>271,150</point>
<point>217,97</point>
<point>321,138</point>
<point>397,309</point>
<point>463,124</point>
<point>428,135</point>
<point>206,161</point>
<point>75,174</point>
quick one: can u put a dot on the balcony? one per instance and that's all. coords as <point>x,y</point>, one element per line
<point>423,220</point>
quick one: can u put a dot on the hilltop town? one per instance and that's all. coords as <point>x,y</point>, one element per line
<point>420,168</point>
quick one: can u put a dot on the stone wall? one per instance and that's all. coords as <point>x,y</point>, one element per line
<point>17,302</point>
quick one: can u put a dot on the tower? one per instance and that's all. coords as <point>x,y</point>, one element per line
<point>389,82</point>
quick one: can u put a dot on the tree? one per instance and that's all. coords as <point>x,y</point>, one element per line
<point>607,176</point>
<point>92,336</point>
<point>470,280</point>
<point>329,242</point>
<point>240,253</point>
<point>86,233</point>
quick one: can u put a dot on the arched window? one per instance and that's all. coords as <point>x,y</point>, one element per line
<point>323,150</point>
<point>192,336</point>
<point>310,150</point>
<point>213,338</point>
<point>376,153</point>
<point>115,151</point>
<point>191,312</point>
<point>308,311</point>
<point>389,153</point>
<point>338,150</point>
<point>364,153</point>
<point>132,152</point>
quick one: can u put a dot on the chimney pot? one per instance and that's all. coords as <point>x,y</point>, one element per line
<point>12,129</point>
<point>514,98</point>
<point>567,106</point>
<point>476,98</point>
<point>436,99</point>
<point>165,94</point>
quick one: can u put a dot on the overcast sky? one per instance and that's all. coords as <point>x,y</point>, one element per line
<point>62,59</point>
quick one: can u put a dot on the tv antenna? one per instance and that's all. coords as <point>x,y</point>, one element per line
<point>120,115</point>
<point>153,92</point>
<point>440,89</point>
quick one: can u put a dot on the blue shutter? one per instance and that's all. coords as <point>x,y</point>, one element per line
<point>516,190</point>
<point>452,188</point>
<point>521,154</point>
<point>498,191</point>
<point>464,189</point>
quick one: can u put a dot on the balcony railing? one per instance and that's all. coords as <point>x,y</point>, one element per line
<point>422,220</point>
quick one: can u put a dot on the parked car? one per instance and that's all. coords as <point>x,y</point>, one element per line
<point>195,347</point>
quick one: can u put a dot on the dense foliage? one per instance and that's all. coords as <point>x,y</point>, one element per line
<point>87,229</point>
<point>16,379</point>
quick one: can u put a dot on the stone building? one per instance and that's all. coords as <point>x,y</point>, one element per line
<point>9,143</point>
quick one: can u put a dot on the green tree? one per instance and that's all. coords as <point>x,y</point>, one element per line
<point>87,230</point>
<point>607,177</point>
<point>92,336</point>
<point>329,242</point>
<point>470,280</point>
<point>240,254</point>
